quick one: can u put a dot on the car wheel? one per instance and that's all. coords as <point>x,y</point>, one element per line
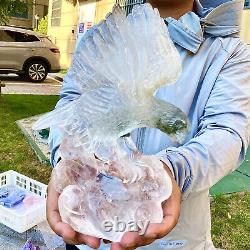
<point>36,71</point>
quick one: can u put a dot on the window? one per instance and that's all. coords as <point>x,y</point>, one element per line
<point>45,10</point>
<point>247,3</point>
<point>23,37</point>
<point>56,12</point>
<point>7,36</point>
<point>13,36</point>
<point>127,5</point>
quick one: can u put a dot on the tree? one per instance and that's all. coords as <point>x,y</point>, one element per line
<point>42,26</point>
<point>10,8</point>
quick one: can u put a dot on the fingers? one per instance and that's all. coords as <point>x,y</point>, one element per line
<point>172,206</point>
<point>63,229</point>
<point>118,246</point>
<point>54,219</point>
<point>89,240</point>
<point>80,239</point>
<point>53,216</point>
<point>158,230</point>
<point>171,211</point>
<point>131,240</point>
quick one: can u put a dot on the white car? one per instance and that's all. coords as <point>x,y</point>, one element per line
<point>27,53</point>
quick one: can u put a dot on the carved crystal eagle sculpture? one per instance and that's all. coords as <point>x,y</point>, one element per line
<point>118,66</point>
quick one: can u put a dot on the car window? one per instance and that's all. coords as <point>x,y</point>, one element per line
<point>22,37</point>
<point>7,36</point>
<point>14,36</point>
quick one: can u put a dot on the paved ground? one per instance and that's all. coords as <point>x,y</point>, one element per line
<point>16,85</point>
<point>11,240</point>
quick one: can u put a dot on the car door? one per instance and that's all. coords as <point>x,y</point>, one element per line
<point>15,48</point>
<point>6,41</point>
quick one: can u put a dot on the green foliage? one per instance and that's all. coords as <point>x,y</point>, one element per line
<point>10,8</point>
<point>42,26</point>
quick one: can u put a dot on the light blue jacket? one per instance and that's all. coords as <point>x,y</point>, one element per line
<point>214,91</point>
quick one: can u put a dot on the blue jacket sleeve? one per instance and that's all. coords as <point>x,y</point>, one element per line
<point>223,135</point>
<point>69,92</point>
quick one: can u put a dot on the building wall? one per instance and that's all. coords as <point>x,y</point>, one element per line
<point>86,19</point>
<point>21,22</point>
<point>245,26</point>
<point>65,35</point>
<point>102,8</point>
<point>40,8</point>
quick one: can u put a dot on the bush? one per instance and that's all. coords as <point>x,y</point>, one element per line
<point>42,26</point>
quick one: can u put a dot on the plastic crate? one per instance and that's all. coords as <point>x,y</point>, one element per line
<point>21,222</point>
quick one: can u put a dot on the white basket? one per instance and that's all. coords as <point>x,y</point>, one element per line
<point>22,222</point>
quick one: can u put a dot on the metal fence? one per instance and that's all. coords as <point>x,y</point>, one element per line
<point>128,5</point>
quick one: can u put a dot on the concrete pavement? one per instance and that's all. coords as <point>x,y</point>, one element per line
<point>17,85</point>
<point>11,240</point>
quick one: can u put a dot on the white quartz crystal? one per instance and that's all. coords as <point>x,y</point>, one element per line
<point>102,177</point>
<point>94,192</point>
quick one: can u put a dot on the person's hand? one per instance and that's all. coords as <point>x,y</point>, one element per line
<point>171,211</point>
<point>62,229</point>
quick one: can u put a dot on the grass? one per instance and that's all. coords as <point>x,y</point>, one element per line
<point>231,221</point>
<point>63,71</point>
<point>230,214</point>
<point>15,153</point>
